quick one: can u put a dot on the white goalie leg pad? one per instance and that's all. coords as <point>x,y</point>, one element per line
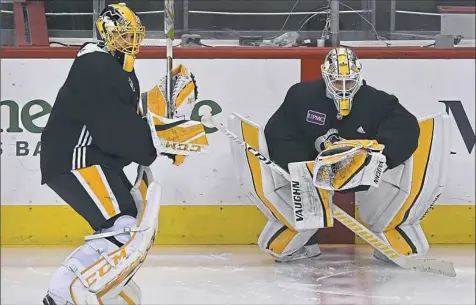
<point>99,266</point>
<point>63,280</point>
<point>270,191</point>
<point>299,206</point>
<point>312,205</point>
<point>407,192</point>
<point>285,244</point>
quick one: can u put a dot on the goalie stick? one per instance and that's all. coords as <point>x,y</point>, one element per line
<point>169,39</point>
<point>419,264</point>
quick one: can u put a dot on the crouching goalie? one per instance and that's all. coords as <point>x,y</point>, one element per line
<point>339,134</point>
<point>100,124</point>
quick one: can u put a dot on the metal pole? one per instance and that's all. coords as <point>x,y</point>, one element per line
<point>98,6</point>
<point>334,23</point>
<point>185,16</point>
<point>393,9</point>
<point>169,29</point>
<point>95,17</point>
<point>364,5</point>
<point>373,7</point>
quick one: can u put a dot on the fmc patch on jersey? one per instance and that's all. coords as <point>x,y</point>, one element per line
<point>315,117</point>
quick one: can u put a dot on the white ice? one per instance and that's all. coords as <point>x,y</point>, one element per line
<point>244,275</point>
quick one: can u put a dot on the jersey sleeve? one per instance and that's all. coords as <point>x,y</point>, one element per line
<point>285,143</point>
<point>114,125</point>
<point>399,132</point>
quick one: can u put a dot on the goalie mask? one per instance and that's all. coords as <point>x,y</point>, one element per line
<point>341,73</point>
<point>121,32</point>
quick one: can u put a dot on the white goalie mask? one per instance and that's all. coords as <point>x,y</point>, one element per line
<point>341,73</point>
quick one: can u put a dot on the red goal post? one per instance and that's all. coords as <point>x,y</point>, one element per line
<point>311,59</point>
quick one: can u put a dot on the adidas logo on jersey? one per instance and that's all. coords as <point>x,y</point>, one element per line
<point>360,130</point>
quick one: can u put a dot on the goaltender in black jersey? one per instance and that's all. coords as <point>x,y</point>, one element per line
<point>341,105</point>
<point>100,123</point>
<point>95,129</point>
<point>338,134</point>
<point>94,118</point>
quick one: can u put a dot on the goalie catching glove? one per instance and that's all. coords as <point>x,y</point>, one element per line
<point>178,136</point>
<point>348,164</point>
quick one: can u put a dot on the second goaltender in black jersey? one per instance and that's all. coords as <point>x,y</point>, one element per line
<point>94,119</point>
<point>307,113</point>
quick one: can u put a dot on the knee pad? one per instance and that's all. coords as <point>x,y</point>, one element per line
<point>406,192</point>
<point>280,241</point>
<point>101,267</point>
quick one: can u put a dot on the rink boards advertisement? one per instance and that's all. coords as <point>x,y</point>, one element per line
<point>253,88</point>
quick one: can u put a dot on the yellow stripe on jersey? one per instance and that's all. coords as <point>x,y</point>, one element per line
<point>98,188</point>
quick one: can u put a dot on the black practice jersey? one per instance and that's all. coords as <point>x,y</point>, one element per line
<point>307,113</point>
<point>94,119</point>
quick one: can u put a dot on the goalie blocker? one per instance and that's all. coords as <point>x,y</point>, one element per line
<point>296,210</point>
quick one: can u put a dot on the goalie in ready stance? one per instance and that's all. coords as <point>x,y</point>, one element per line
<point>339,134</point>
<point>99,124</point>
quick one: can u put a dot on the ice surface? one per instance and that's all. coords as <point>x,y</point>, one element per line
<point>244,275</point>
